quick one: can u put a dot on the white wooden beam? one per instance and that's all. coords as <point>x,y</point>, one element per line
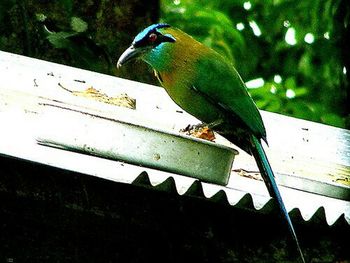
<point>305,155</point>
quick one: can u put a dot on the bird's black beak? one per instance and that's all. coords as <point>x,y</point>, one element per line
<point>129,54</point>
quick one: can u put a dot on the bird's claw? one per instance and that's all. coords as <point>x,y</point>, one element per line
<point>200,130</point>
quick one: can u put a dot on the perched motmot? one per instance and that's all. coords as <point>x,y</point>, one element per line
<point>206,85</point>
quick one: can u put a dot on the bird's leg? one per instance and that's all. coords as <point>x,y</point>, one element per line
<point>214,124</point>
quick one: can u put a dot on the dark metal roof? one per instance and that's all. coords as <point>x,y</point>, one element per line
<point>302,206</point>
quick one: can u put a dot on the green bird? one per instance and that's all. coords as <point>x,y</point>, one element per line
<point>206,85</point>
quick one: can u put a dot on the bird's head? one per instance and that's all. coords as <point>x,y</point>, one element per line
<point>149,45</point>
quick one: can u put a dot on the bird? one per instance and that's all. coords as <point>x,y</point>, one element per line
<point>206,85</point>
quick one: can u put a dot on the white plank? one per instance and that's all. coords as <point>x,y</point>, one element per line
<point>305,155</point>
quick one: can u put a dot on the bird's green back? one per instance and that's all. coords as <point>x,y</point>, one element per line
<point>218,79</point>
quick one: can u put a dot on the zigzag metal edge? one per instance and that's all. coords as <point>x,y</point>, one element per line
<point>239,200</point>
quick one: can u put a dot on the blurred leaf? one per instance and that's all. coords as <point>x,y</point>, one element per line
<point>290,83</point>
<point>212,17</point>
<point>60,39</point>
<point>305,64</point>
<point>300,110</point>
<point>40,17</point>
<point>301,91</point>
<point>78,25</point>
<point>273,105</point>
<point>84,52</point>
<point>332,119</point>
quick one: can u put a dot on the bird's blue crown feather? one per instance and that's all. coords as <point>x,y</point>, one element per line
<point>149,29</point>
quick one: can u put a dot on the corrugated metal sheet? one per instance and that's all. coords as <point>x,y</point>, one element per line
<point>317,209</point>
<point>302,206</point>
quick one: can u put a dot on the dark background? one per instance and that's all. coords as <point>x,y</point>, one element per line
<point>51,215</point>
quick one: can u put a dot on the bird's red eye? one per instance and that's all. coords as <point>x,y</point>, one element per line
<point>152,37</point>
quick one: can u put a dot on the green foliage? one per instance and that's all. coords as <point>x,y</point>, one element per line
<point>258,37</point>
<point>212,27</point>
<point>62,39</point>
<point>77,43</point>
<point>85,34</point>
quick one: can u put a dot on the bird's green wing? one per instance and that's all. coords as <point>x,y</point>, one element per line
<point>218,80</point>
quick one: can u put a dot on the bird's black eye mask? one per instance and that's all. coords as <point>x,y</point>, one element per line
<point>152,39</point>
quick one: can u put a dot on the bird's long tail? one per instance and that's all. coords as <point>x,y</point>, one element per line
<point>269,178</point>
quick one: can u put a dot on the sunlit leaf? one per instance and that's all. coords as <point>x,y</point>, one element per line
<point>301,91</point>
<point>59,39</point>
<point>78,24</point>
<point>290,83</point>
<point>332,119</point>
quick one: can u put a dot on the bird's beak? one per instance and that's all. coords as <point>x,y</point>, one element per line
<point>129,54</point>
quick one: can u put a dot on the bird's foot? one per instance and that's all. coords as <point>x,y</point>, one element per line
<point>200,130</point>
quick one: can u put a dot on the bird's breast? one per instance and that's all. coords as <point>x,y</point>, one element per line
<point>165,79</point>
<point>183,93</point>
